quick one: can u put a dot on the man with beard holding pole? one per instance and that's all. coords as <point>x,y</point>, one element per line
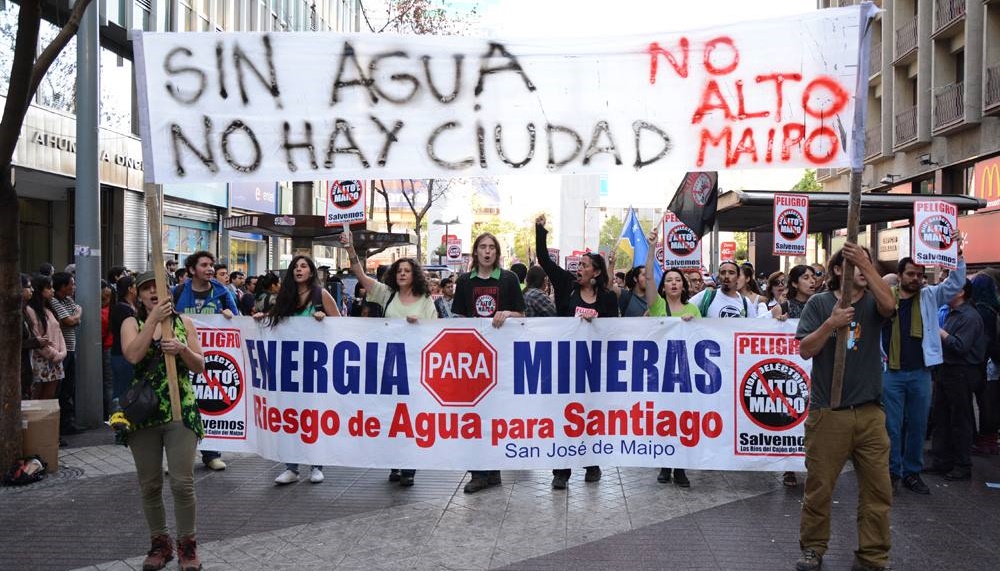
<point>846,420</point>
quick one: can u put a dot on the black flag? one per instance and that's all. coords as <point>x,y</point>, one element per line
<point>696,200</point>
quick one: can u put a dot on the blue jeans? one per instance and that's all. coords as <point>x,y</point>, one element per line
<point>907,399</point>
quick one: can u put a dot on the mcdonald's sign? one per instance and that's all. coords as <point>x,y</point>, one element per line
<point>986,182</point>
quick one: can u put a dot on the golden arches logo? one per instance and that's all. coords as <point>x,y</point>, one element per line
<point>989,183</point>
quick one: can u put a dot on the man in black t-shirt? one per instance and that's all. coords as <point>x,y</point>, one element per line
<point>487,291</point>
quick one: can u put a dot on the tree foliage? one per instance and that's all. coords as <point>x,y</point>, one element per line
<point>808,182</point>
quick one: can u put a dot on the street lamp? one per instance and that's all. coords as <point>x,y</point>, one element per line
<point>446,224</point>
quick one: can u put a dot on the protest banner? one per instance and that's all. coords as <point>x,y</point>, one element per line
<point>572,263</point>
<point>791,224</point>
<point>935,229</point>
<point>345,202</point>
<point>727,251</point>
<point>537,393</point>
<point>233,106</point>
<point>681,246</point>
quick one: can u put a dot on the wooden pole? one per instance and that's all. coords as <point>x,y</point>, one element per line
<point>857,149</point>
<point>154,201</point>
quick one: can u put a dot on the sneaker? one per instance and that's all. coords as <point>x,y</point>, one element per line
<point>681,479</point>
<point>810,561</point>
<point>894,482</point>
<point>405,480</point>
<point>664,476</point>
<point>958,475</point>
<point>477,484</point>
<point>593,474</point>
<point>216,464</point>
<point>316,475</point>
<point>789,480</point>
<point>394,475</point>
<point>287,477</point>
<point>559,482</point>
<point>916,485</point>
<point>159,554</point>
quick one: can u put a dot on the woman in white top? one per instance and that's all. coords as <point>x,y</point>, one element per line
<point>404,294</point>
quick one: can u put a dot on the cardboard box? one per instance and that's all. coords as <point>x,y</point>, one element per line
<point>40,424</point>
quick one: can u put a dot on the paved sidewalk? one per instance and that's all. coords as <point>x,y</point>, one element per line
<point>88,517</point>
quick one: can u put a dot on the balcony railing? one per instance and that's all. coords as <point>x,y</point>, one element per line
<point>946,12</point>
<point>906,125</point>
<point>949,104</point>
<point>875,59</point>
<point>906,38</point>
<point>823,174</point>
<point>873,140</point>
<point>993,86</point>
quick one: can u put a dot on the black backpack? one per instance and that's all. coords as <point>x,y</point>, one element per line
<point>27,470</point>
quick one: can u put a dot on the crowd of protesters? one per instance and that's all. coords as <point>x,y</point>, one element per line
<point>923,360</point>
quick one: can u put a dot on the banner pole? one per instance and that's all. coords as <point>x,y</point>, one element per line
<point>154,201</point>
<point>867,11</point>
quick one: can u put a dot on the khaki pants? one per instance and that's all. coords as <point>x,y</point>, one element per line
<point>147,446</point>
<point>833,437</point>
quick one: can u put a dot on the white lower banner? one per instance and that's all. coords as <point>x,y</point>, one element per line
<point>720,394</point>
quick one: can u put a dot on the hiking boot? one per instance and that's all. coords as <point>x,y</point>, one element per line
<point>916,485</point>
<point>316,475</point>
<point>287,477</point>
<point>958,474</point>
<point>476,484</point>
<point>810,561</point>
<point>394,475</point>
<point>664,476</point>
<point>216,464</point>
<point>187,554</point>
<point>789,480</point>
<point>405,480</point>
<point>559,482</point>
<point>681,479</point>
<point>593,474</point>
<point>159,554</point>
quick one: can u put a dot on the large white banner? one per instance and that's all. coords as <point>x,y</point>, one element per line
<point>304,106</point>
<point>723,394</point>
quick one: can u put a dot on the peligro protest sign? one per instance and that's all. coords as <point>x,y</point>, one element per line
<point>728,394</point>
<point>935,229</point>
<point>221,107</point>
<point>681,246</point>
<point>345,202</point>
<point>791,224</point>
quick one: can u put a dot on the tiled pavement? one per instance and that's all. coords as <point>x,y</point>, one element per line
<point>357,520</point>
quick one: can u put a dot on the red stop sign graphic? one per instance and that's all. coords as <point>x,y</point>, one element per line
<point>458,367</point>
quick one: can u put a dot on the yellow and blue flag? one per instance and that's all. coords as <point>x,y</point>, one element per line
<point>633,240</point>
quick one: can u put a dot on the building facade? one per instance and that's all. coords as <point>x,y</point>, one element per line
<point>45,158</point>
<point>933,117</point>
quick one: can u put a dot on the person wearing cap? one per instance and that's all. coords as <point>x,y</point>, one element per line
<point>726,302</point>
<point>144,345</point>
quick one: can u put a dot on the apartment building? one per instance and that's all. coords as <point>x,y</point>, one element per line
<point>933,116</point>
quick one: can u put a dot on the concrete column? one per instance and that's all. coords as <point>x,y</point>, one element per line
<point>87,240</point>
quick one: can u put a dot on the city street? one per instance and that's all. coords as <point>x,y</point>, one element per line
<point>88,517</point>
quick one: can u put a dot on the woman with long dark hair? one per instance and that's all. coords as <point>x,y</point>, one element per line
<point>673,301</point>
<point>29,341</point>
<point>403,293</point>
<point>121,369</point>
<point>143,345</point>
<point>585,295</point>
<point>46,361</point>
<point>266,294</point>
<point>301,295</point>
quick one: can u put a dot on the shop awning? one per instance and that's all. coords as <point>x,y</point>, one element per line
<point>311,227</point>
<point>753,210</point>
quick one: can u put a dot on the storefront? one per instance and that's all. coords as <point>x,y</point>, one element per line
<point>980,229</point>
<point>191,218</point>
<point>249,253</point>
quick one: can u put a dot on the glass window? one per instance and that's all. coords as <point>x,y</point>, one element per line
<point>58,87</point>
<point>116,92</point>
<point>141,19</point>
<point>926,186</point>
